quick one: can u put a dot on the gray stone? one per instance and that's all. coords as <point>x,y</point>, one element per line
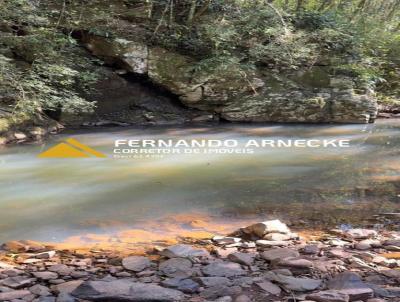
<point>279,254</point>
<point>45,275</point>
<point>311,249</point>
<point>18,282</point>
<point>293,283</point>
<point>351,284</point>
<point>126,291</point>
<point>176,267</point>
<point>242,298</point>
<point>223,269</point>
<point>269,287</point>
<point>328,296</point>
<point>183,251</point>
<point>15,294</point>
<point>61,269</point>
<point>295,263</point>
<point>271,243</point>
<point>187,286</point>
<point>136,263</point>
<point>278,237</point>
<point>40,290</point>
<point>242,258</point>
<point>64,297</point>
<point>213,281</point>
<point>68,287</point>
<point>220,291</point>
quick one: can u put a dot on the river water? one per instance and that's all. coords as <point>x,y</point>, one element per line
<point>52,199</point>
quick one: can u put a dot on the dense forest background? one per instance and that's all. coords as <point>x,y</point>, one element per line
<point>43,67</point>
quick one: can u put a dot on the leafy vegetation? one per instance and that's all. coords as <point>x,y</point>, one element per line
<point>42,67</point>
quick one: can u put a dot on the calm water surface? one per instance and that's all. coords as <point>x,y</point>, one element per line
<point>50,199</point>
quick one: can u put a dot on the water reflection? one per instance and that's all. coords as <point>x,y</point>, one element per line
<point>52,199</point>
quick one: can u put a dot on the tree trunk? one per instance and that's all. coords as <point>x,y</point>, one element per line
<point>192,11</point>
<point>299,5</point>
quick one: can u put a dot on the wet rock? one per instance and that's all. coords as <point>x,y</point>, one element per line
<point>269,287</point>
<point>262,228</point>
<point>177,268</point>
<point>183,251</point>
<point>18,282</point>
<point>15,294</point>
<point>213,281</point>
<point>136,263</point>
<point>293,283</point>
<point>351,284</point>
<point>242,258</point>
<point>223,269</point>
<point>126,291</point>
<point>279,254</point>
<point>45,275</point>
<point>328,296</point>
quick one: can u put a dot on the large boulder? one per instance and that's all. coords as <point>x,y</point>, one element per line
<point>314,94</point>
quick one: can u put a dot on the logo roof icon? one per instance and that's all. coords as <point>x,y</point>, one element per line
<point>70,148</point>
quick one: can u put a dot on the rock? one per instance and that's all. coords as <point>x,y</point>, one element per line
<point>68,287</point>
<point>271,243</point>
<point>15,294</point>
<point>262,228</point>
<point>217,291</point>
<point>64,297</point>
<point>136,263</point>
<point>391,273</point>
<point>187,286</point>
<point>277,237</point>
<point>183,251</point>
<point>213,281</point>
<point>223,269</point>
<point>4,265</point>
<point>18,282</point>
<point>45,255</point>
<point>61,269</point>
<point>46,299</point>
<point>296,284</point>
<point>40,290</point>
<point>279,254</point>
<point>392,242</point>
<point>361,233</point>
<point>328,296</point>
<point>242,258</point>
<point>311,249</point>
<point>376,300</point>
<point>226,240</point>
<point>295,263</point>
<point>20,136</point>
<point>269,287</point>
<point>351,284</point>
<point>176,267</point>
<point>45,275</point>
<point>126,291</point>
<point>242,298</point>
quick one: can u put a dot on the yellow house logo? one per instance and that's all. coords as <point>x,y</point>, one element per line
<point>70,148</point>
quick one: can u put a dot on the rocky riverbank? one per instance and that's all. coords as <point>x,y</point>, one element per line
<point>262,262</point>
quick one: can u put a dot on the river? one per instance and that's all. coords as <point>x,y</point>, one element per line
<point>53,199</point>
